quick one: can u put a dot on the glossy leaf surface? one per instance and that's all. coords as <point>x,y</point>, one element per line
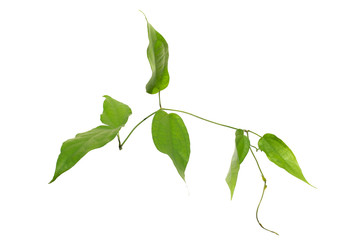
<point>74,149</point>
<point>280,154</point>
<point>158,56</point>
<point>115,113</point>
<point>242,146</point>
<point>171,137</point>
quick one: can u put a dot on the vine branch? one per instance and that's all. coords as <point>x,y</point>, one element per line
<point>262,195</point>
<point>254,133</point>
<point>191,114</point>
<point>135,128</point>
<point>174,110</point>
<point>257,149</point>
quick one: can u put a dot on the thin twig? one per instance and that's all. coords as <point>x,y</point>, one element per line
<point>262,195</point>
<point>137,126</point>
<point>174,110</point>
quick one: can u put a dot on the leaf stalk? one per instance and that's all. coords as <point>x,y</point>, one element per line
<point>159,100</point>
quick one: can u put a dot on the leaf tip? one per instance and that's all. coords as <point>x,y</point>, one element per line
<point>143,14</point>
<point>183,177</point>
<point>52,180</point>
<point>310,184</point>
<point>230,187</point>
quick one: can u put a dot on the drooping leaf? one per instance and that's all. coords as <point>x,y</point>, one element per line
<point>158,56</point>
<point>242,146</point>
<point>74,149</point>
<point>280,154</point>
<point>115,113</point>
<point>171,137</point>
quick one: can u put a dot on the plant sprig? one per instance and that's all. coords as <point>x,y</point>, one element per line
<point>169,132</point>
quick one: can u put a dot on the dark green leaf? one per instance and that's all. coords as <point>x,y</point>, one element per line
<point>171,137</point>
<point>158,55</point>
<point>115,113</point>
<point>74,149</point>
<point>280,154</point>
<point>242,146</point>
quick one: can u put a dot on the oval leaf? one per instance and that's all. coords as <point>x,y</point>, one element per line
<point>74,149</point>
<point>242,146</point>
<point>115,113</point>
<point>171,137</point>
<point>158,56</point>
<point>280,154</point>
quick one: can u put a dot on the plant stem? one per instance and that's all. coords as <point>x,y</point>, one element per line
<point>174,110</point>
<point>257,210</point>
<point>118,137</point>
<point>136,127</point>
<point>257,163</point>
<point>159,100</point>
<point>262,195</point>
<point>254,147</point>
<point>254,133</point>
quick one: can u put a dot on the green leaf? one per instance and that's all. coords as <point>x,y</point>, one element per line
<point>74,149</point>
<point>115,113</point>
<point>242,146</point>
<point>280,154</point>
<point>158,55</point>
<point>171,137</point>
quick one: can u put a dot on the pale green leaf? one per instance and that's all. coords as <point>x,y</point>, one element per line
<point>115,113</point>
<point>74,149</point>
<point>242,146</point>
<point>171,137</point>
<point>280,154</point>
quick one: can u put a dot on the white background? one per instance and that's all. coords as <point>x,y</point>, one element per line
<point>286,67</point>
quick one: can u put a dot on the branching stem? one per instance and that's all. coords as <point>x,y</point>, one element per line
<point>135,128</point>
<point>223,125</point>
<point>191,114</point>
<point>262,195</point>
<point>118,137</point>
<point>254,147</point>
<point>174,110</point>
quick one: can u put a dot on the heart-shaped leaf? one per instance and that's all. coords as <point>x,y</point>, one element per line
<point>242,146</point>
<point>280,154</point>
<point>171,137</point>
<point>158,56</point>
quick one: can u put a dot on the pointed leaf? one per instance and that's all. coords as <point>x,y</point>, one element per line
<point>242,146</point>
<point>115,113</point>
<point>280,154</point>
<point>158,55</point>
<point>171,137</point>
<point>74,149</point>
